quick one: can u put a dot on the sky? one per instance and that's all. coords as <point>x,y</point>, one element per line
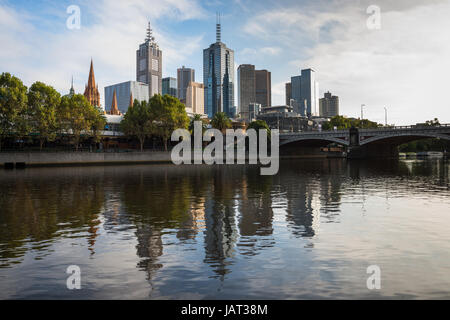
<point>398,60</point>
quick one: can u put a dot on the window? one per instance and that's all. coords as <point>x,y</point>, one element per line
<point>142,65</point>
<point>155,65</point>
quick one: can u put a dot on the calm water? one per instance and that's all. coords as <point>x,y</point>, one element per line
<point>166,232</point>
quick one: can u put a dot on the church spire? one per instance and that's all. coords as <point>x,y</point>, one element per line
<point>72,90</point>
<point>131,100</point>
<point>114,109</point>
<point>91,92</point>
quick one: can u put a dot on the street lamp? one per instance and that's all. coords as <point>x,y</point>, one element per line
<point>385,116</point>
<point>362,112</point>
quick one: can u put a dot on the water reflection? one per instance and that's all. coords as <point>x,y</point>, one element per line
<point>230,211</point>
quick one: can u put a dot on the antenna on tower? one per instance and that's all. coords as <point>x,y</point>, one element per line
<point>150,38</point>
<point>218,28</point>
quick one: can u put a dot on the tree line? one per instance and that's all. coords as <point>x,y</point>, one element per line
<point>40,111</point>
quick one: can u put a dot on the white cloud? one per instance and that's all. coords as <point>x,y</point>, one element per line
<point>403,66</point>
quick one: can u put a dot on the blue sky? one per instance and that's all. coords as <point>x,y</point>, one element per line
<point>403,66</point>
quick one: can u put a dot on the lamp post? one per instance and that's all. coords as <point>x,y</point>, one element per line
<point>385,116</point>
<point>362,115</point>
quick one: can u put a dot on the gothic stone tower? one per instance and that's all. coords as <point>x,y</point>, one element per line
<point>91,92</point>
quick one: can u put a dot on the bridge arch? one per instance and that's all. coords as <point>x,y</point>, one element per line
<point>315,140</point>
<point>404,137</point>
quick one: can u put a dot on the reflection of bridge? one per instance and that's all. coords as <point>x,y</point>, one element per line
<point>364,142</point>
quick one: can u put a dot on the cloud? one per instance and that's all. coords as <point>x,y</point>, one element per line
<point>403,66</point>
<point>110,33</point>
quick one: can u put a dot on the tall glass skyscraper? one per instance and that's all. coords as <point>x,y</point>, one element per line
<point>218,76</point>
<point>305,93</point>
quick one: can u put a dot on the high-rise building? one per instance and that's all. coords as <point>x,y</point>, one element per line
<point>329,105</point>
<point>246,88</point>
<point>254,86</point>
<point>263,87</point>
<point>125,92</point>
<point>149,64</point>
<point>91,92</point>
<point>288,93</point>
<point>169,86</point>
<point>305,93</point>
<point>218,76</point>
<point>195,98</point>
<point>184,77</point>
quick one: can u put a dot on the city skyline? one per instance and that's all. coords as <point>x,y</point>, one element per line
<point>361,66</point>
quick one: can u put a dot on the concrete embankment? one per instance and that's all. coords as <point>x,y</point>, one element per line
<point>42,159</point>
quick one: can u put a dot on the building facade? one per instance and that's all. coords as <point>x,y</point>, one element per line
<point>218,77</point>
<point>91,91</point>
<point>246,89</point>
<point>125,92</point>
<point>263,87</point>
<point>169,86</point>
<point>329,106</point>
<point>184,77</point>
<point>149,64</point>
<point>288,93</point>
<point>195,98</point>
<point>305,93</point>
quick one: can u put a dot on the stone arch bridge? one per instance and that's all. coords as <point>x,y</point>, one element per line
<point>360,143</point>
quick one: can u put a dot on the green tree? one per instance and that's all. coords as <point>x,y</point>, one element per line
<point>138,122</point>
<point>169,114</point>
<point>43,102</point>
<point>197,117</point>
<point>75,119</point>
<point>433,123</point>
<point>258,125</point>
<point>221,121</point>
<point>13,107</point>
<point>97,122</point>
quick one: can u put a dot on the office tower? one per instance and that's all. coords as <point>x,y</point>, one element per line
<point>254,109</point>
<point>305,93</point>
<point>184,77</point>
<point>254,86</point>
<point>126,91</point>
<point>169,86</point>
<point>246,88</point>
<point>91,91</point>
<point>329,106</point>
<point>195,98</point>
<point>263,87</point>
<point>149,64</point>
<point>218,76</point>
<point>288,93</point>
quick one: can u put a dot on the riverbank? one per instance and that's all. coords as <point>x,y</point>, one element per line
<point>44,159</point>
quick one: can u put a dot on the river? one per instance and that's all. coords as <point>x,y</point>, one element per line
<point>225,232</point>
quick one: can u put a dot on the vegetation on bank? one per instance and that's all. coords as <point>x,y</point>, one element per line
<point>41,113</point>
<point>342,122</point>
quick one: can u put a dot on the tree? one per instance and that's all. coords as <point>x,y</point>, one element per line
<point>221,121</point>
<point>258,125</point>
<point>169,114</point>
<point>138,122</point>
<point>43,103</point>
<point>13,107</point>
<point>433,123</point>
<point>97,122</point>
<point>74,113</point>
<point>341,123</point>
<point>196,118</point>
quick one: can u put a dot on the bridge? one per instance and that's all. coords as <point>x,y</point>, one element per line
<point>361,143</point>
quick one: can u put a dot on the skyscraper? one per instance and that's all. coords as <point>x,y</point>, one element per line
<point>149,64</point>
<point>329,105</point>
<point>169,86</point>
<point>288,93</point>
<point>254,86</point>
<point>218,76</point>
<point>195,98</point>
<point>91,92</point>
<point>184,77</point>
<point>305,93</point>
<point>263,87</point>
<point>246,88</point>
